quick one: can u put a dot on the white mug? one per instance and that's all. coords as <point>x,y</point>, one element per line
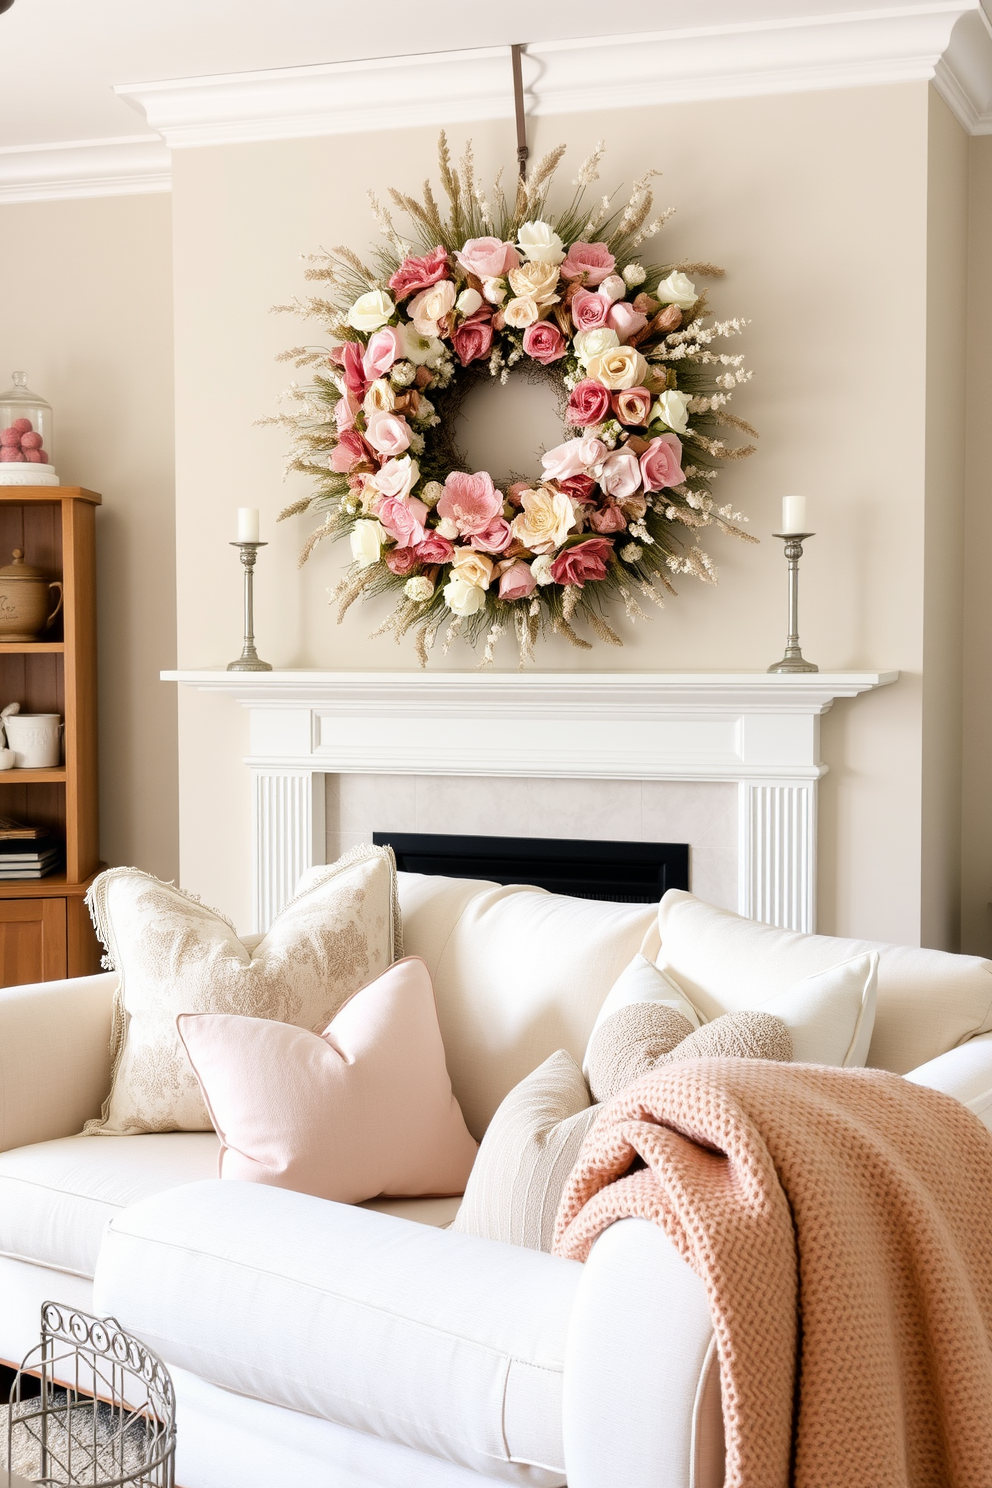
<point>35,739</point>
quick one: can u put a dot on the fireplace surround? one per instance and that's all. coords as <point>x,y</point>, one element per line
<point>757,731</point>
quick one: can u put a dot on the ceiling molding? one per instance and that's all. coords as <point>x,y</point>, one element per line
<point>734,61</point>
<point>132,165</point>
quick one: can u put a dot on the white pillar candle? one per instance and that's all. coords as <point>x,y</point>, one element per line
<point>248,524</point>
<point>794,514</point>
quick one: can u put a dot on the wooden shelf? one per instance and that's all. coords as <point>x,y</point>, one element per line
<point>53,886</point>
<point>32,777</point>
<point>31,648</point>
<point>49,493</point>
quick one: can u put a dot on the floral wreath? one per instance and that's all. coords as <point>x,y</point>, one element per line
<point>615,509</point>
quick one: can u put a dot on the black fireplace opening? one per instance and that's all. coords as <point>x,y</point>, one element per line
<point>625,872</point>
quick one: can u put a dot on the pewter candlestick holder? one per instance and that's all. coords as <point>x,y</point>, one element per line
<point>793,660</point>
<point>249,661</point>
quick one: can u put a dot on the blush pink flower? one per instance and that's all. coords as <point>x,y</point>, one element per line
<point>625,320</point>
<point>592,259</point>
<point>609,518</point>
<point>517,582</point>
<point>589,403</point>
<point>349,358</point>
<point>584,563</point>
<point>574,457</point>
<point>632,406</point>
<point>488,258</point>
<point>495,538</point>
<point>403,520</point>
<point>579,487</point>
<point>401,560</point>
<point>621,474</point>
<point>473,339</point>
<point>346,411</point>
<point>589,311</point>
<point>544,342</point>
<point>388,433</point>
<point>470,501</point>
<point>383,350</point>
<point>418,273</point>
<point>349,451</point>
<point>661,463</point>
<point>434,549</point>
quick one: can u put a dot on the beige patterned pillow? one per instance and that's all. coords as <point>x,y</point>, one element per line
<point>526,1155</point>
<point>176,956</point>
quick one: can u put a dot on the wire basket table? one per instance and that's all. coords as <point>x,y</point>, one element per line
<point>105,1415</point>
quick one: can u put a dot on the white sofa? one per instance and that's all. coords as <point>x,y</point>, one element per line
<point>329,1346</point>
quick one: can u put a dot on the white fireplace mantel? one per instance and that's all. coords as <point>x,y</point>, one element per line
<point>758,729</point>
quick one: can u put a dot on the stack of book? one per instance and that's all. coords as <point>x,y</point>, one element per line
<point>27,852</point>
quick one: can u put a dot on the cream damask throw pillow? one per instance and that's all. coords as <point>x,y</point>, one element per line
<point>175,956</point>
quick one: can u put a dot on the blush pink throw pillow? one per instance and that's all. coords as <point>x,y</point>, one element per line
<point>361,1110</point>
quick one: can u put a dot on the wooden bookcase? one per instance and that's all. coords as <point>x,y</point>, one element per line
<point>45,930</point>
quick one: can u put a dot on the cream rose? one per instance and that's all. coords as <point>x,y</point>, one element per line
<point>537,280</point>
<point>541,569</point>
<point>620,367</point>
<point>431,306</point>
<point>473,567</point>
<point>588,344</point>
<point>521,312</point>
<point>539,243</point>
<point>546,520</point>
<point>420,589</point>
<point>380,398</point>
<point>677,289</point>
<point>494,291</point>
<point>468,302</point>
<point>463,598</point>
<point>371,311</point>
<point>367,538</point>
<point>673,409</point>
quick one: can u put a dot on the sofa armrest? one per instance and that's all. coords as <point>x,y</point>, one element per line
<point>641,1401</point>
<point>965,1073</point>
<point>54,1057</point>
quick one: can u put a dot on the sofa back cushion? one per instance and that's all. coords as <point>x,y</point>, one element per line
<point>927,1001</point>
<point>518,973</point>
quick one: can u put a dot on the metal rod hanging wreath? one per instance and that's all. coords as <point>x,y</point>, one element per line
<point>480,290</point>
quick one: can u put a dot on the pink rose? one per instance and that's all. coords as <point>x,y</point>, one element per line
<point>470,501</point>
<point>349,451</point>
<point>632,406</point>
<point>544,342</point>
<point>661,463</point>
<point>474,338</point>
<point>609,518</point>
<point>589,403</point>
<point>517,582</point>
<point>349,358</point>
<point>589,311</point>
<point>401,560</point>
<point>488,258</point>
<point>388,433</point>
<point>621,474</point>
<point>434,549</point>
<point>397,477</point>
<point>585,562</point>
<point>574,457</point>
<point>346,411</point>
<point>592,259</point>
<point>382,351</point>
<point>419,273</point>
<point>495,538</point>
<point>625,320</point>
<point>403,520</point>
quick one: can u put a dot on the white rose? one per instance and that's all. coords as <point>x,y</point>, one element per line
<point>677,289</point>
<point>463,598</point>
<point>545,521</point>
<point>419,589</point>
<point>619,367</point>
<point>468,302</point>
<point>539,243</point>
<point>588,344</point>
<point>494,291</point>
<point>612,288</point>
<point>473,567</point>
<point>417,349</point>
<point>673,409</point>
<point>397,477</point>
<point>380,398</point>
<point>371,311</point>
<point>521,312</point>
<point>634,274</point>
<point>367,539</point>
<point>431,305</point>
<point>541,568</point>
<point>536,280</point>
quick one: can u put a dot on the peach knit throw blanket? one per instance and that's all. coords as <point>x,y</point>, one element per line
<point>841,1221</point>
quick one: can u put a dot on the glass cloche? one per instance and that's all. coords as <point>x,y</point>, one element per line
<point>26,439</point>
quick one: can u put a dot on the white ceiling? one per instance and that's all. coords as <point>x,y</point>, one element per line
<point>60,59</point>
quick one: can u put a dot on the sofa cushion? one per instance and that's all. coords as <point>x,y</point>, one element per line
<point>519,973</point>
<point>927,1001</point>
<point>443,1342</point>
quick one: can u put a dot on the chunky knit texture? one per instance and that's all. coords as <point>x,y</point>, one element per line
<point>841,1221</point>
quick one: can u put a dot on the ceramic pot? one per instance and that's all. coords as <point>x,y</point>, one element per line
<point>35,739</point>
<point>25,597</point>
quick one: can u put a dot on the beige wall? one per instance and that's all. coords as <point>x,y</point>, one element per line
<point>86,310</point>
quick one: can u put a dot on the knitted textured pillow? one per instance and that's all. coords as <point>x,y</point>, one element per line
<point>176,956</point>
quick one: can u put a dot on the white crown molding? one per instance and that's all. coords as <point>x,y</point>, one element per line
<point>132,165</point>
<point>859,49</point>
